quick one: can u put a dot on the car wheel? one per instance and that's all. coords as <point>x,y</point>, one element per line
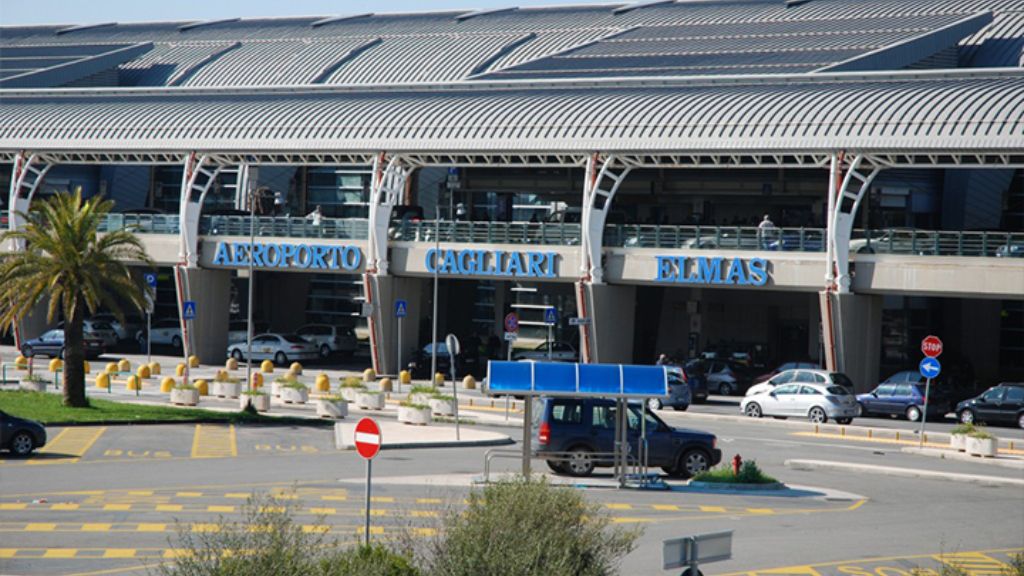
<point>861,410</point>
<point>753,410</point>
<point>176,341</point>
<point>967,416</point>
<point>680,407</point>
<point>61,354</point>
<point>693,462</point>
<point>22,444</point>
<point>1020,420</point>
<point>817,415</point>
<point>725,389</point>
<point>325,352</point>
<point>579,462</point>
<point>26,351</point>
<point>913,413</point>
<point>844,421</point>
<point>237,354</point>
<point>653,404</point>
<point>555,466</point>
<point>280,359</point>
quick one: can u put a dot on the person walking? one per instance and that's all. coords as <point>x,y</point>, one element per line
<point>765,231</point>
<point>316,215</point>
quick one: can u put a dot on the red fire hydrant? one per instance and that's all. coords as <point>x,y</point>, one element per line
<point>737,462</point>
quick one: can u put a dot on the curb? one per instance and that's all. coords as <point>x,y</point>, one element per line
<point>903,472</point>
<point>291,422</point>
<point>736,487</point>
<point>1004,462</point>
<point>467,444</point>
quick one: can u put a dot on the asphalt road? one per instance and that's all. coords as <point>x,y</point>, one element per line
<point>111,498</point>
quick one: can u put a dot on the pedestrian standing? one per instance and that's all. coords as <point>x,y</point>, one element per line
<point>764,231</point>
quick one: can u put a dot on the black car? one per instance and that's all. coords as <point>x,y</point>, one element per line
<point>1001,404</point>
<point>575,435</point>
<point>51,344</point>
<point>19,435</point>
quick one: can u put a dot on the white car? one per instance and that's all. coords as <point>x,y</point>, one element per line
<point>330,339</point>
<point>560,352</point>
<point>164,332</point>
<point>281,348</point>
<point>802,376</point>
<point>124,330</point>
<point>816,402</point>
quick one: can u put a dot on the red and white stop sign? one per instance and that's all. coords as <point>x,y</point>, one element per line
<point>931,346</point>
<point>367,437</point>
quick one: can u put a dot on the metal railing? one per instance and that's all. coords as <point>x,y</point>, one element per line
<point>548,233</point>
<point>142,223</point>
<point>285,226</point>
<point>715,237</point>
<point>938,243</point>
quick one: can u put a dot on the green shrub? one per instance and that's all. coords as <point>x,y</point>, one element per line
<point>962,429</point>
<point>296,385</point>
<point>332,398</point>
<point>34,378</point>
<point>750,473</point>
<point>421,389</point>
<point>184,387</point>
<point>374,560</point>
<point>352,382</point>
<point>1015,567</point>
<point>254,393</point>
<point>524,527</point>
<point>443,397</point>
<point>408,404</point>
<point>981,433</point>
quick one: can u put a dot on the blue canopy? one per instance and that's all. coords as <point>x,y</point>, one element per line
<point>573,380</point>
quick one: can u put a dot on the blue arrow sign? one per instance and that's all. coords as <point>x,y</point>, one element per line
<point>401,308</point>
<point>188,310</point>
<point>930,368</point>
<point>551,315</point>
<point>150,279</point>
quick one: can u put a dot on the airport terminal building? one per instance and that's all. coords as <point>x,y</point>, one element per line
<point>824,180</point>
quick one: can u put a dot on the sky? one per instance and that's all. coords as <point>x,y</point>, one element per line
<point>22,12</point>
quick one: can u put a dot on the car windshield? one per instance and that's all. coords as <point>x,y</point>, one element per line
<point>838,391</point>
<point>293,338</point>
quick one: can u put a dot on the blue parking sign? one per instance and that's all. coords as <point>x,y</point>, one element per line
<point>930,368</point>
<point>551,315</point>
<point>188,310</point>
<point>150,279</point>
<point>401,308</point>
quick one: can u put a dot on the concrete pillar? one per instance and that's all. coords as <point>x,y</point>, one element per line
<point>612,310</point>
<point>384,347</point>
<point>34,323</point>
<point>211,291</point>
<point>857,322</point>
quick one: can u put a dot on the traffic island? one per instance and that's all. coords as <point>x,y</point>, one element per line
<point>398,436</point>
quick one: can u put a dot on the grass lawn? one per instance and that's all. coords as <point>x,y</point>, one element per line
<point>47,408</point>
<point>749,474</point>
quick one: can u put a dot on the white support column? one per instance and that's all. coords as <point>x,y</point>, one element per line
<point>389,176</point>
<point>841,219</point>
<point>196,180</point>
<point>27,175</point>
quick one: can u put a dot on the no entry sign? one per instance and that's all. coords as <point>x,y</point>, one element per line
<point>367,438</point>
<point>931,346</point>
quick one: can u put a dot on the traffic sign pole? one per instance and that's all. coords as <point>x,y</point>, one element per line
<point>930,368</point>
<point>369,472</point>
<point>367,438</point>
<point>924,413</point>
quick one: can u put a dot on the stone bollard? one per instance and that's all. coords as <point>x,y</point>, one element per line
<point>103,380</point>
<point>203,386</point>
<point>193,361</point>
<point>154,368</point>
<point>257,380</point>
<point>385,385</point>
<point>323,383</point>
<point>469,383</point>
<point>133,383</point>
<point>56,364</point>
<point>231,364</point>
<point>404,377</point>
<point>166,384</point>
<point>143,372</point>
<point>124,366</point>
<point>296,368</point>
<point>111,368</point>
<point>438,379</point>
<point>267,367</point>
<point>179,370</point>
<point>369,375</point>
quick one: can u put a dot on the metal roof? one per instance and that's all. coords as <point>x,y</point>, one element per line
<point>978,110</point>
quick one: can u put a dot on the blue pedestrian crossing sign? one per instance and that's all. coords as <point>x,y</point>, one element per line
<point>150,279</point>
<point>551,315</point>
<point>188,310</point>
<point>930,368</point>
<point>401,308</point>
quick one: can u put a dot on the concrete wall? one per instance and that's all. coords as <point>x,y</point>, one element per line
<point>388,289</point>
<point>613,316</point>
<point>939,276</point>
<point>211,291</point>
<point>410,259</point>
<point>858,325</point>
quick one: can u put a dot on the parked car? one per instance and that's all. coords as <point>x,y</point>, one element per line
<point>575,435</point>
<point>1010,250</point>
<point>124,330</point>
<point>679,395</point>
<point>419,365</point>
<point>725,377</point>
<point>165,332</point>
<point>902,394</point>
<point>281,348</point>
<point>238,330</point>
<point>784,367</point>
<point>20,435</point>
<point>560,352</point>
<point>816,402</point>
<point>1001,404</point>
<point>98,330</point>
<point>808,376</point>
<point>51,343</point>
<point>330,339</point>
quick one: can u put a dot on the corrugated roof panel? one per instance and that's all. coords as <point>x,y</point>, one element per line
<point>999,44</point>
<point>853,41</point>
<point>421,59</point>
<point>166,61</point>
<point>550,43</point>
<point>272,63</point>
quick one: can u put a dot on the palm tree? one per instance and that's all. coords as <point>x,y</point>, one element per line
<point>66,263</point>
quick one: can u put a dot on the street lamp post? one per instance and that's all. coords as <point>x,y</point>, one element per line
<point>252,280</point>
<point>437,245</point>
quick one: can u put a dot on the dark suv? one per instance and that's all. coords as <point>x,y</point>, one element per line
<point>1002,404</point>
<point>575,435</point>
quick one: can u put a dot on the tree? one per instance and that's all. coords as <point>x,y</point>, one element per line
<point>68,264</point>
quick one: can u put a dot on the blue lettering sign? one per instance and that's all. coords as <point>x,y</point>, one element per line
<point>302,256</point>
<point>491,263</point>
<point>713,270</point>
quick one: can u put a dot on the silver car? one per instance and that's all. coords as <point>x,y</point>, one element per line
<point>163,332</point>
<point>330,339</point>
<point>99,330</point>
<point>281,348</point>
<point>679,395</point>
<point>816,402</point>
<point>124,330</point>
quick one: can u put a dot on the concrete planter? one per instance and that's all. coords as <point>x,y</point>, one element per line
<point>958,442</point>
<point>349,393</point>
<point>414,415</point>
<point>420,398</point>
<point>442,406</point>
<point>331,408</point>
<point>184,396</point>
<point>984,447</point>
<point>294,395</point>
<point>261,402</point>
<point>275,389</point>
<point>370,400</point>
<point>32,386</point>
<point>226,389</point>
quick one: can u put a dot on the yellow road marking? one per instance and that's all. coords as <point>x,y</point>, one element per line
<point>619,506</point>
<point>428,500</point>
<point>64,506</point>
<point>810,568</point>
<point>73,442</point>
<point>40,527</point>
<point>334,497</point>
<point>378,512</point>
<point>8,552</point>
<point>188,494</point>
<point>148,527</point>
<point>712,508</point>
<point>669,507</point>
<point>760,510</point>
<point>140,492</point>
<point>629,519</point>
<point>220,508</point>
<point>119,553</point>
<point>241,495</point>
<point>60,553</point>
<point>119,507</point>
<point>12,506</point>
<point>321,528</point>
<point>384,499</point>
<point>207,527</point>
<point>424,513</point>
<point>212,441</point>
<point>910,440</point>
<point>323,511</point>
